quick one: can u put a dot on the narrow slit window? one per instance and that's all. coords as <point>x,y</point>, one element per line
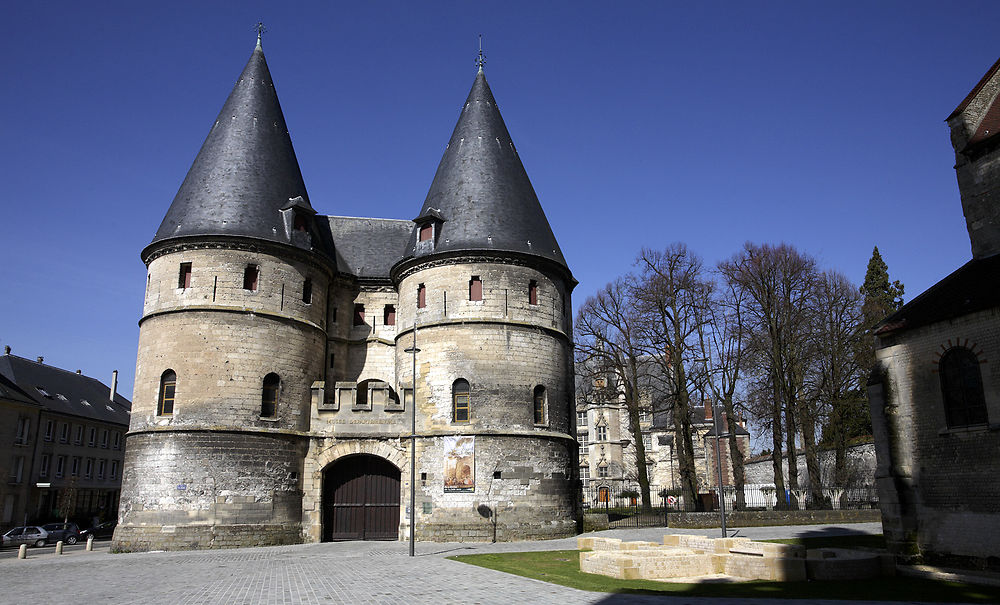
<point>184,279</point>
<point>426,232</point>
<point>168,383</point>
<point>359,314</point>
<point>460,398</point>
<point>539,404</point>
<point>532,292</point>
<point>307,291</point>
<point>251,276</point>
<point>331,360</point>
<point>421,296</point>
<point>269,396</point>
<point>389,315</point>
<point>475,288</point>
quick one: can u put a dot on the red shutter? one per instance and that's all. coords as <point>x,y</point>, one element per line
<point>421,296</point>
<point>426,231</point>
<point>475,288</point>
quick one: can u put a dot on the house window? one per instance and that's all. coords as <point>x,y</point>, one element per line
<point>165,404</point>
<point>101,467</point>
<point>60,466</point>
<point>581,419</point>
<point>307,291</point>
<point>104,438</point>
<point>251,276</point>
<point>460,401</point>
<point>475,288</point>
<point>114,470</point>
<point>647,441</point>
<point>92,442</point>
<point>88,471</point>
<point>184,279</point>
<point>75,467</point>
<point>539,404</point>
<point>64,433</point>
<point>602,472</point>
<point>117,442</point>
<point>532,292</point>
<point>79,435</point>
<point>585,472</point>
<point>389,315</point>
<point>269,396</point>
<point>359,314</point>
<point>43,468</point>
<point>426,232</point>
<point>50,429</point>
<point>962,388</point>
<point>421,296</point>
<point>601,433</point>
<point>17,470</point>
<point>583,438</point>
<point>23,428</point>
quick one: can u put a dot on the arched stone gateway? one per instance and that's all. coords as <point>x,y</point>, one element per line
<point>360,499</point>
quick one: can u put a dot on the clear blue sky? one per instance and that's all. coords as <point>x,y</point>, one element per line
<point>713,123</point>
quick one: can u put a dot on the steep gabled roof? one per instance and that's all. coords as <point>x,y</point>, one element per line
<point>246,171</point>
<point>368,247</point>
<point>481,190</point>
<point>975,91</point>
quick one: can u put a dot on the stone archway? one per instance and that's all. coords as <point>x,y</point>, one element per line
<point>360,499</point>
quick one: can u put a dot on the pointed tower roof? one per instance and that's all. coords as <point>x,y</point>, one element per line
<point>481,194</point>
<point>246,172</point>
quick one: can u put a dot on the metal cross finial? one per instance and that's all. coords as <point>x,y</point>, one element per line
<point>481,59</point>
<point>260,31</point>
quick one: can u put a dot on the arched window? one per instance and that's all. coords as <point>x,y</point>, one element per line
<point>460,401</point>
<point>962,388</point>
<point>539,404</point>
<point>165,402</point>
<point>269,396</point>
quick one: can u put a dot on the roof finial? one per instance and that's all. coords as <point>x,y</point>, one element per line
<point>260,31</point>
<point>480,60</point>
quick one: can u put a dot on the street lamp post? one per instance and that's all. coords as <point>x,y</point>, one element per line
<point>413,435</point>
<point>718,463</point>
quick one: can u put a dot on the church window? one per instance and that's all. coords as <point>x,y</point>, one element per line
<point>460,401</point>
<point>389,315</point>
<point>269,396</point>
<point>359,314</point>
<point>475,288</point>
<point>421,296</point>
<point>184,279</point>
<point>532,292</point>
<point>307,291</point>
<point>165,404</point>
<point>426,232</point>
<point>539,404</point>
<point>962,388</point>
<point>601,433</point>
<point>250,277</point>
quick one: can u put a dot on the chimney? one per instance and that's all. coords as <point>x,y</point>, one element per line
<point>708,409</point>
<point>40,359</point>
<point>6,350</point>
<point>79,371</point>
<point>114,384</point>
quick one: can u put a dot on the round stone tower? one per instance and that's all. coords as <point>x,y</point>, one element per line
<point>231,338</point>
<point>487,290</point>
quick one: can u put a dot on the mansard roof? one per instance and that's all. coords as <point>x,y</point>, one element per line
<point>481,190</point>
<point>246,171</point>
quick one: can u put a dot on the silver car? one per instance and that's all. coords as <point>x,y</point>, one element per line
<point>31,535</point>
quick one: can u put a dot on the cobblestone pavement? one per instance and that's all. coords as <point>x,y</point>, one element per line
<point>344,572</point>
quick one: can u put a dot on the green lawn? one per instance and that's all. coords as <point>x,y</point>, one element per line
<point>562,567</point>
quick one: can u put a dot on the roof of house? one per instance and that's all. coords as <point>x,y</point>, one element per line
<point>972,287</point>
<point>246,171</point>
<point>9,391</point>
<point>975,91</point>
<point>481,190</point>
<point>64,392</point>
<point>368,247</point>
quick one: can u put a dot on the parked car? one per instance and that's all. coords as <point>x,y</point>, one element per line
<point>67,532</point>
<point>100,531</point>
<point>31,535</point>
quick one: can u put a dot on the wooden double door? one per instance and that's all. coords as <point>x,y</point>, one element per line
<point>361,499</point>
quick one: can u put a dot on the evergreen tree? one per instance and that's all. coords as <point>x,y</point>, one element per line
<point>880,298</point>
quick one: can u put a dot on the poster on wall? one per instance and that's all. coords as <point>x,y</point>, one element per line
<point>459,463</point>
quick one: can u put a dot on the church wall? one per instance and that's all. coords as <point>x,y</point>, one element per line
<point>938,485</point>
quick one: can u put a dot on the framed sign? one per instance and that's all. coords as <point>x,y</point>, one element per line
<point>459,463</point>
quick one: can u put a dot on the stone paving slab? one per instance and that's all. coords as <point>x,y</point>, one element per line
<point>344,572</point>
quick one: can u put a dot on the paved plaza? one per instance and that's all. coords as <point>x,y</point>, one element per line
<point>340,572</point>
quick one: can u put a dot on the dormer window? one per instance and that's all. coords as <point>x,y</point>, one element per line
<point>301,222</point>
<point>428,229</point>
<point>426,232</point>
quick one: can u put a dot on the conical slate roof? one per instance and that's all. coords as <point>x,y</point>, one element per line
<point>246,171</point>
<point>481,192</point>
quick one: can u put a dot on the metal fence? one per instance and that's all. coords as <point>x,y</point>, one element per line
<point>622,502</point>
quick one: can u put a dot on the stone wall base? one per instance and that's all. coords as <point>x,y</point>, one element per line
<point>483,532</point>
<point>141,538</point>
<point>772,517</point>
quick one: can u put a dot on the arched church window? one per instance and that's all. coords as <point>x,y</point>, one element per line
<point>539,404</point>
<point>460,399</point>
<point>269,396</point>
<point>962,388</point>
<point>165,401</point>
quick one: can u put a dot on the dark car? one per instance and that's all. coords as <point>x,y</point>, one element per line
<point>101,531</point>
<point>67,532</point>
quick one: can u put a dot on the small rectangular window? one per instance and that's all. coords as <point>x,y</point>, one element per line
<point>421,296</point>
<point>426,232</point>
<point>64,433</point>
<point>184,279</point>
<point>331,360</point>
<point>79,435</point>
<point>475,288</point>
<point>251,276</point>
<point>104,438</point>
<point>532,292</point>
<point>101,467</point>
<point>389,315</point>
<point>92,442</point>
<point>60,466</point>
<point>50,429</point>
<point>114,470</point>
<point>117,441</point>
<point>43,468</point>
<point>359,314</point>
<point>75,468</point>
<point>17,470</point>
<point>23,428</point>
<point>307,291</point>
<point>89,468</point>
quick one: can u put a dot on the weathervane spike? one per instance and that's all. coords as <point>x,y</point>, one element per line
<point>481,59</point>
<point>260,31</point>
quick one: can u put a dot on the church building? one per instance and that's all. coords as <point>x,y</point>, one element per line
<point>287,359</point>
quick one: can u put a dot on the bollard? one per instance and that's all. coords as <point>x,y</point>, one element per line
<point>22,553</point>
<point>90,542</point>
<point>59,547</point>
